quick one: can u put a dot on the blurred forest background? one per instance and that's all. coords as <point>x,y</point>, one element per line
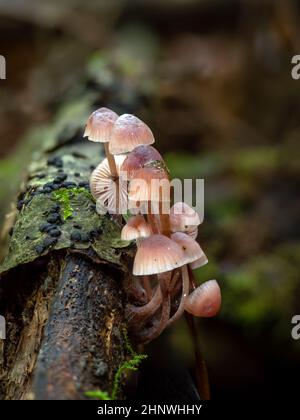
<point>212,78</point>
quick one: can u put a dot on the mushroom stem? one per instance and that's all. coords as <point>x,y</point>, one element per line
<point>111,162</point>
<point>201,369</point>
<point>165,224</point>
<point>185,292</point>
<point>135,314</point>
<point>147,287</point>
<point>159,326</point>
<point>152,220</point>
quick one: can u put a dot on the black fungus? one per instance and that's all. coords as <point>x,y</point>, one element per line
<point>85,237</point>
<point>77,226</point>
<point>77,174</point>
<point>60,178</point>
<point>76,236</point>
<point>46,227</point>
<point>46,191</point>
<point>55,233</point>
<point>11,231</point>
<point>92,167</point>
<point>69,184</point>
<point>55,161</point>
<point>39,249</point>
<point>20,204</point>
<point>93,207</point>
<point>49,242</point>
<point>53,218</point>
<point>55,208</point>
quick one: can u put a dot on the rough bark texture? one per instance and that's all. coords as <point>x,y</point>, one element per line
<point>62,300</point>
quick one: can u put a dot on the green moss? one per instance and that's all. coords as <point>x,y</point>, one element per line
<point>98,395</point>
<point>64,195</point>
<point>132,365</point>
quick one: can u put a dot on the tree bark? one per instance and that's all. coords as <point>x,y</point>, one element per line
<point>62,299</point>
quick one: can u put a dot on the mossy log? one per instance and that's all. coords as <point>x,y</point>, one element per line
<point>61,282</point>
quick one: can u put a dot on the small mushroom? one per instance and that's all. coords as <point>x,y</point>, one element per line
<point>205,301</point>
<point>149,185</point>
<point>191,249</point>
<point>100,124</point>
<point>136,228</point>
<point>183,218</point>
<point>138,158</point>
<point>98,129</point>
<point>128,133</point>
<point>199,263</point>
<point>157,254</point>
<point>109,193</point>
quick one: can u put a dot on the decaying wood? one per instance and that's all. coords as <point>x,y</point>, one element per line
<point>64,308</point>
<point>64,303</point>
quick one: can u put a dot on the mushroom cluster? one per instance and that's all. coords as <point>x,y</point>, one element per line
<point>134,179</point>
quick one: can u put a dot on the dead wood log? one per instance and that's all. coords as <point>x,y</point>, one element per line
<point>61,289</point>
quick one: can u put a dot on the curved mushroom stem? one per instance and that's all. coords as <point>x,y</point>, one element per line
<point>135,314</point>
<point>185,292</point>
<point>159,326</point>
<point>147,287</point>
<point>175,285</point>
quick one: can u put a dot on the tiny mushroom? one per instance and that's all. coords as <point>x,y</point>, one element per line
<point>157,254</point>
<point>138,158</point>
<point>189,246</point>
<point>112,195</point>
<point>135,228</point>
<point>183,218</point>
<point>100,124</point>
<point>99,128</point>
<point>205,301</point>
<point>128,133</point>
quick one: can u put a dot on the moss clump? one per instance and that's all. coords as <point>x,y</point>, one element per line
<point>64,196</point>
<point>132,365</point>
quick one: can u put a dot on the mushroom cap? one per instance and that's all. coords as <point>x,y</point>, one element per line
<point>100,124</point>
<point>104,187</point>
<point>205,301</point>
<point>138,158</point>
<point>149,184</point>
<point>199,263</point>
<point>193,233</point>
<point>183,218</point>
<point>157,254</point>
<point>190,248</point>
<point>128,133</point>
<point>135,228</point>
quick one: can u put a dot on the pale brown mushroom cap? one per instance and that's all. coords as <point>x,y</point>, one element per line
<point>183,218</point>
<point>140,157</point>
<point>128,133</point>
<point>190,248</point>
<point>135,228</point>
<point>100,124</point>
<point>103,187</point>
<point>149,184</point>
<point>205,301</point>
<point>199,263</point>
<point>157,254</point>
